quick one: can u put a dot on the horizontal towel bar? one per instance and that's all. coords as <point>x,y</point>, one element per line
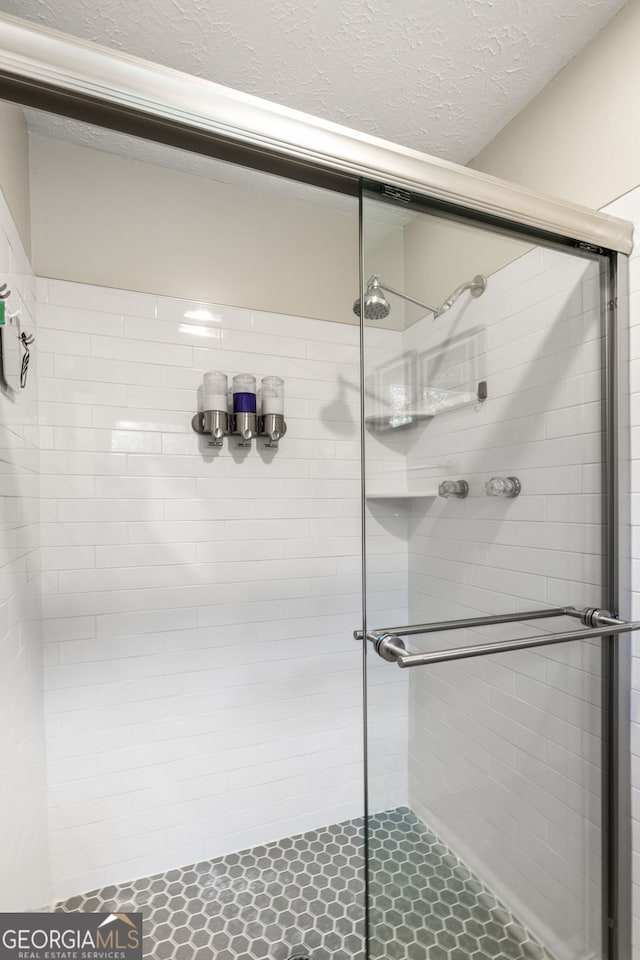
<point>438,625</point>
<point>598,623</point>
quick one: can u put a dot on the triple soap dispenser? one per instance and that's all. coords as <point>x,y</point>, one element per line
<point>243,420</point>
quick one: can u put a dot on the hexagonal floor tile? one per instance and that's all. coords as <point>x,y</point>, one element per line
<point>425,900</point>
<point>304,895</point>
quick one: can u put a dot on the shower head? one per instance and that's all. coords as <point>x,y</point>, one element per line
<point>376,305</point>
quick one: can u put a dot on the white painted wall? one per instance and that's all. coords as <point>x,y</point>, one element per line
<point>441,254</point>
<point>203,686</point>
<point>14,169</point>
<point>118,221</point>
<point>574,139</point>
<point>24,864</point>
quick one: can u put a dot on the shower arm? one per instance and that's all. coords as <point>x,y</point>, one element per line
<point>405,296</point>
<point>476,286</point>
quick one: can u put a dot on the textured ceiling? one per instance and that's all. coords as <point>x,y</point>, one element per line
<point>442,76</point>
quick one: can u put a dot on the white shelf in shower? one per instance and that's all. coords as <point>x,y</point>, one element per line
<point>401,494</point>
<point>435,402</point>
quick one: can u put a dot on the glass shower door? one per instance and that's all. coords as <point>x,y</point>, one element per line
<point>485,511</point>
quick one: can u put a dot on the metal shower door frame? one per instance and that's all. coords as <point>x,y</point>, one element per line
<point>616,654</point>
<point>616,552</point>
<point>51,70</point>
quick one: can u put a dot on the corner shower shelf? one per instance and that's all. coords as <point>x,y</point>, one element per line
<point>396,421</point>
<point>417,482</point>
<point>434,401</point>
<point>401,494</point>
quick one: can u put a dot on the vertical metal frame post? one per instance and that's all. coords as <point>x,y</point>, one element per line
<point>363,516</point>
<point>616,652</point>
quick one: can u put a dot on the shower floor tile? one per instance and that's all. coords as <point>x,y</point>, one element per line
<point>304,895</point>
<point>425,904</point>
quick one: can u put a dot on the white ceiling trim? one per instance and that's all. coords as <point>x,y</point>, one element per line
<point>93,73</point>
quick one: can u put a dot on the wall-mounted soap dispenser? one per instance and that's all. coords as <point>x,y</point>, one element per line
<point>244,408</point>
<point>244,422</point>
<point>215,402</point>
<point>272,420</point>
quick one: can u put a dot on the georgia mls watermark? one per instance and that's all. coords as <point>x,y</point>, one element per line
<point>70,936</point>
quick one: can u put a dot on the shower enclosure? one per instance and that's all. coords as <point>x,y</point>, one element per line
<point>353,688</point>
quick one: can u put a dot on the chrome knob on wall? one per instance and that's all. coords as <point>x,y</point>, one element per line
<point>505,487</point>
<point>453,488</point>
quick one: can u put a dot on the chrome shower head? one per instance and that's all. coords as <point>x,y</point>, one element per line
<point>376,305</point>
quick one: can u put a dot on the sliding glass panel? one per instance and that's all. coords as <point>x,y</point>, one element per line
<point>196,753</point>
<point>484,466</point>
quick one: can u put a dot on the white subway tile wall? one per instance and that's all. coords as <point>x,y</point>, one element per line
<point>387,561</point>
<point>24,854</point>
<point>203,688</point>
<point>504,753</point>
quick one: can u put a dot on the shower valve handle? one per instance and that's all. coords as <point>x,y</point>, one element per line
<point>453,488</point>
<point>505,487</point>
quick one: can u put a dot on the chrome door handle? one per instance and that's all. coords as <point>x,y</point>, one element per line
<point>598,623</point>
